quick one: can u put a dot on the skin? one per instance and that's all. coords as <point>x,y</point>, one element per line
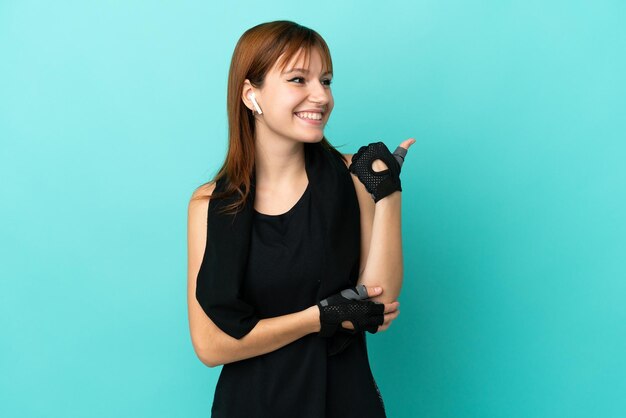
<point>280,182</point>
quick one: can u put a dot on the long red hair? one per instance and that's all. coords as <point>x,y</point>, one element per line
<point>255,54</point>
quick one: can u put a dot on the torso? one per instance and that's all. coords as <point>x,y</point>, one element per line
<point>301,252</point>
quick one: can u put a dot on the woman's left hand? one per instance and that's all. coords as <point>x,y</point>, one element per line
<point>379,165</point>
<point>378,169</point>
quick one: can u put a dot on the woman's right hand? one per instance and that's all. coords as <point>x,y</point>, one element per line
<point>391,310</point>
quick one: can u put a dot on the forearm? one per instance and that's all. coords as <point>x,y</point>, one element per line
<point>268,335</point>
<point>384,265</point>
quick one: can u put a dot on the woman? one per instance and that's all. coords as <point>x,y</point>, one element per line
<point>281,274</point>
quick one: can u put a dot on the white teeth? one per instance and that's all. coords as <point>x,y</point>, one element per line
<point>307,115</point>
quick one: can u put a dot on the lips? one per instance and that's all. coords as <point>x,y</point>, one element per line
<point>303,112</point>
<point>320,110</point>
<point>316,122</point>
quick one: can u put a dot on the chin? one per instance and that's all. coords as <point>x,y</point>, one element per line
<point>313,140</point>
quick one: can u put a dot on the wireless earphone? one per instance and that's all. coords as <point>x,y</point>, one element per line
<point>256,105</point>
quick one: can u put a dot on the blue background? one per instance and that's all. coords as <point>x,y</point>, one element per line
<point>112,112</point>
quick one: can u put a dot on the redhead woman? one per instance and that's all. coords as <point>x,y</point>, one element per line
<point>294,249</point>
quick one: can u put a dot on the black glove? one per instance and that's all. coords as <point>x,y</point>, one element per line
<point>379,183</point>
<point>349,305</point>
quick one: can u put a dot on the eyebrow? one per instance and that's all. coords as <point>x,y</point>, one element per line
<point>303,70</point>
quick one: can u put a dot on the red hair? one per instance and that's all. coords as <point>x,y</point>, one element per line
<point>255,54</point>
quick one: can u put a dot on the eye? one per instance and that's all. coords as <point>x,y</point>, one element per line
<point>328,81</point>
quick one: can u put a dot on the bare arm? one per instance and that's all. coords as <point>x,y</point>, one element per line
<point>384,261</point>
<point>213,346</point>
<point>381,238</point>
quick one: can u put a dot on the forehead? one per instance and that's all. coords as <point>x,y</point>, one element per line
<point>314,63</point>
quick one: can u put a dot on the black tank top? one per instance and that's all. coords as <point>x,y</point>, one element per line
<point>285,264</point>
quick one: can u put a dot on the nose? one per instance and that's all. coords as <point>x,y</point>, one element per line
<point>319,93</point>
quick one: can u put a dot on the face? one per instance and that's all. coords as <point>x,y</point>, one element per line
<point>285,95</point>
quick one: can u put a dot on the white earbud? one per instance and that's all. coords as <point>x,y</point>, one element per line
<point>256,105</point>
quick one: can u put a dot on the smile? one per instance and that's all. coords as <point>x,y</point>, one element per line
<point>309,118</point>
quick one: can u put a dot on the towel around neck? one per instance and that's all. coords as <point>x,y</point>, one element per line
<point>223,268</point>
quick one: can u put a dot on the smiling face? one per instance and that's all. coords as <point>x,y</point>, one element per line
<point>287,95</point>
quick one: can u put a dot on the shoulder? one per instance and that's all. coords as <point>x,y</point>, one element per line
<point>197,223</point>
<point>199,202</point>
<point>202,193</point>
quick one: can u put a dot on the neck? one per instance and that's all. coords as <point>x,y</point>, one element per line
<point>278,163</point>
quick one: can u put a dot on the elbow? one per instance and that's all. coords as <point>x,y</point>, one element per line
<point>208,358</point>
<point>210,364</point>
<point>391,284</point>
<point>207,354</point>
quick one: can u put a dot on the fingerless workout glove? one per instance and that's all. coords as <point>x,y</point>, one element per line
<point>349,305</point>
<point>379,183</point>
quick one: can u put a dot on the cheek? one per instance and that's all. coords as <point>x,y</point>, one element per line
<point>331,106</point>
<point>287,102</point>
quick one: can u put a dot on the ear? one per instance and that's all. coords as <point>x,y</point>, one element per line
<point>245,94</point>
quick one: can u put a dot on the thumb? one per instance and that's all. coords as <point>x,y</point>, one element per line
<point>407,143</point>
<point>374,291</point>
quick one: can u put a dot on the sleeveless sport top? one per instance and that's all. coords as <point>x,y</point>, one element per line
<point>285,265</point>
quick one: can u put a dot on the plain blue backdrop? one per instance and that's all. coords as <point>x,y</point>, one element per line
<point>513,305</point>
